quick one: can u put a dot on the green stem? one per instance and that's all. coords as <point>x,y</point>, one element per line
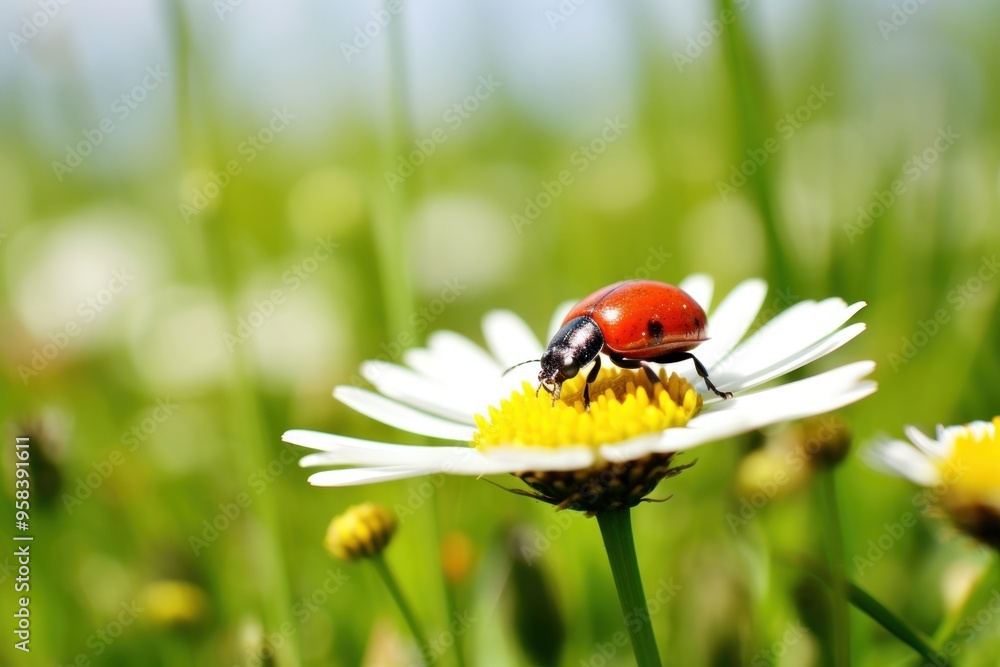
<point>834,547</point>
<point>910,636</point>
<point>616,529</point>
<point>382,567</point>
<point>748,87</point>
<point>972,603</point>
<point>876,611</point>
<point>450,589</point>
<point>391,203</point>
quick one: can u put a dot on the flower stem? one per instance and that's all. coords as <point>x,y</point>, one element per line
<point>616,529</point>
<point>917,640</point>
<point>382,567</point>
<point>986,581</point>
<point>391,205</point>
<point>865,603</point>
<point>834,547</point>
<point>450,589</point>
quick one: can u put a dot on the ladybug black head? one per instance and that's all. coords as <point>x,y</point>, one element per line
<point>573,347</point>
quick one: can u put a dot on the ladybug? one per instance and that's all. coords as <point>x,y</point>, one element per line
<point>634,322</point>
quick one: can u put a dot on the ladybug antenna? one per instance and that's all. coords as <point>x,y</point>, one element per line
<point>530,361</point>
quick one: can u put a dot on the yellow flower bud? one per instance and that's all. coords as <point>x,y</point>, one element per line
<point>362,531</point>
<point>457,557</point>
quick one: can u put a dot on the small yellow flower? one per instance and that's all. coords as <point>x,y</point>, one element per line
<point>173,602</point>
<point>362,531</point>
<point>962,466</point>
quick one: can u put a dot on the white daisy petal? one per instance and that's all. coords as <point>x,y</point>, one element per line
<point>795,329</point>
<point>701,288</point>
<point>928,446</point>
<point>400,416</point>
<point>902,459</point>
<point>359,476</point>
<point>728,424</point>
<point>418,391</point>
<point>830,381</point>
<point>510,340</point>
<point>980,429</point>
<point>731,320</point>
<point>341,450</point>
<point>456,463</point>
<point>479,390</point>
<point>541,458</point>
<point>804,398</point>
<point>464,359</point>
<point>453,360</point>
<point>632,449</point>
<point>730,381</point>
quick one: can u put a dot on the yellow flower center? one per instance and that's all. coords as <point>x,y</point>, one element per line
<point>973,469</point>
<point>624,404</point>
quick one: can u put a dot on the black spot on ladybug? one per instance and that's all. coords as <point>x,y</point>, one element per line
<point>697,323</point>
<point>655,330</point>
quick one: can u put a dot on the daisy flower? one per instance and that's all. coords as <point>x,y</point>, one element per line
<point>962,466</point>
<point>614,454</point>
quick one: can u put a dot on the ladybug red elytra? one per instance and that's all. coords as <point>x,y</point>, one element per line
<point>633,322</point>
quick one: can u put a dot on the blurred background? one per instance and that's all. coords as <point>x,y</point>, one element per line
<point>211,213</point>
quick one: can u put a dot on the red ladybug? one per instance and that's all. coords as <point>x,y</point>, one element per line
<point>633,322</point>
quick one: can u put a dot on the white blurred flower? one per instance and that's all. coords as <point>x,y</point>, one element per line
<point>962,466</point>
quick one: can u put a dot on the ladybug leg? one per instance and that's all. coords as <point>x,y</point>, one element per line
<point>674,357</point>
<point>621,362</point>
<point>591,376</point>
